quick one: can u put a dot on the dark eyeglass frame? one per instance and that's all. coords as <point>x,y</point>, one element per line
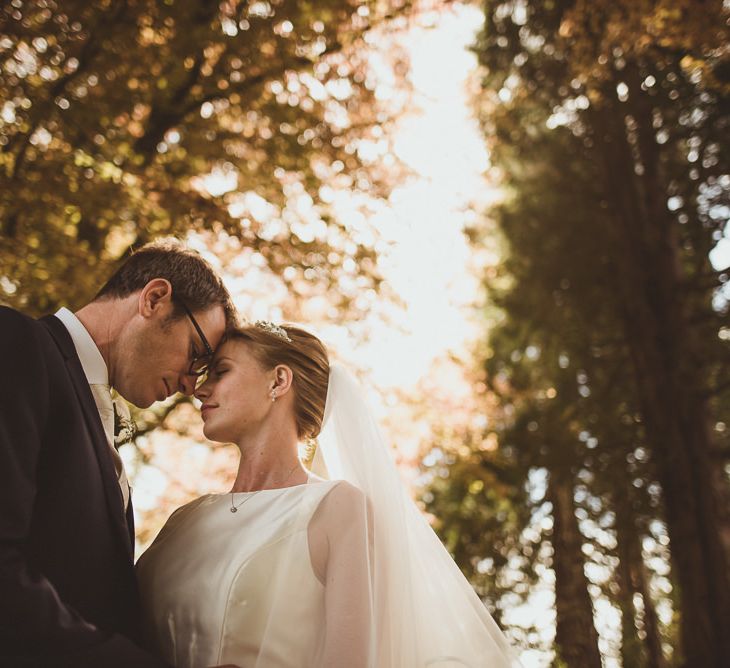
<point>207,356</point>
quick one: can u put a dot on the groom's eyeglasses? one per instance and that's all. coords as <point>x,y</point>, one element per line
<point>199,363</point>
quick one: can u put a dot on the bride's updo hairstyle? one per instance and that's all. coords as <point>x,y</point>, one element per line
<point>306,356</point>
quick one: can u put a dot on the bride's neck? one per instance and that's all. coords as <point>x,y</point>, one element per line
<point>269,460</point>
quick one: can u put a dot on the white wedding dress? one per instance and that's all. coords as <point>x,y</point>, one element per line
<point>219,587</point>
<point>334,573</point>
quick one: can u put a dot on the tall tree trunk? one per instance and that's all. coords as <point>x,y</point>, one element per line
<point>654,653</point>
<point>632,650</point>
<point>632,653</point>
<point>646,653</point>
<point>670,390</point>
<point>576,639</point>
<point>719,462</point>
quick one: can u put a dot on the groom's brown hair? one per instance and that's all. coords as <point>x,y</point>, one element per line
<point>194,282</point>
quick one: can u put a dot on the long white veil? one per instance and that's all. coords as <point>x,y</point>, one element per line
<point>426,613</point>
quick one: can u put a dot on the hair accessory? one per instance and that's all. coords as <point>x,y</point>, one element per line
<point>274,329</point>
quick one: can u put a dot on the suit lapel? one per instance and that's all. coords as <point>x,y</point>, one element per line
<point>130,520</point>
<point>115,503</point>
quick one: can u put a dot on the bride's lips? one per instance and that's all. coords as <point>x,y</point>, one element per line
<point>204,408</point>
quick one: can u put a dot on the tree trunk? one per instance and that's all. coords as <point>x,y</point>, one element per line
<point>632,651</point>
<point>670,390</point>
<point>576,639</point>
<point>632,580</point>
<point>654,653</point>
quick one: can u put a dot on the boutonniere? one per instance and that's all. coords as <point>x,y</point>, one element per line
<point>125,428</point>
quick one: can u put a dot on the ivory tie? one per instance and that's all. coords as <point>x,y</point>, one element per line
<point>105,405</point>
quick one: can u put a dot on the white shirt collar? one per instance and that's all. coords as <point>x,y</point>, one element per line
<point>91,360</point>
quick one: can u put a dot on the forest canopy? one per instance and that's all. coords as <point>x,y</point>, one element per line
<point>125,121</point>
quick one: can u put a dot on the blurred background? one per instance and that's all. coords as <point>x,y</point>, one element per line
<point>510,218</point>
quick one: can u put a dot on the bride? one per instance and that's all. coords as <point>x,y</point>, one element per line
<point>289,569</point>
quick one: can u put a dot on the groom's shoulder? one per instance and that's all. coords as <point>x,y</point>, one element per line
<point>19,331</point>
<point>11,314</point>
<point>13,320</point>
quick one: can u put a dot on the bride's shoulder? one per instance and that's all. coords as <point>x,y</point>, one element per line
<point>347,490</point>
<point>342,510</point>
<point>338,489</point>
<point>342,501</point>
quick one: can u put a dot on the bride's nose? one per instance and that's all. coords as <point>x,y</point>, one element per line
<point>202,392</point>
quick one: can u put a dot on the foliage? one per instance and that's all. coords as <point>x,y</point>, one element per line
<point>604,122</point>
<point>124,121</point>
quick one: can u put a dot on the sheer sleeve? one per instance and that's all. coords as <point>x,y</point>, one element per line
<point>340,545</point>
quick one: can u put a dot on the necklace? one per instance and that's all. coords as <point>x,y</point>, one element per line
<point>234,508</point>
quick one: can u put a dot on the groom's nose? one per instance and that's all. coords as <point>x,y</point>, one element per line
<point>186,384</point>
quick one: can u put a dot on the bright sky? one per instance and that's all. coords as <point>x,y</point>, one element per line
<point>427,263</point>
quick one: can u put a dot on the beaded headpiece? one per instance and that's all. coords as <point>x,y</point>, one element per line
<point>274,329</point>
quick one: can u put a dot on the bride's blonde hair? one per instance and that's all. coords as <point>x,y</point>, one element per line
<point>306,356</point>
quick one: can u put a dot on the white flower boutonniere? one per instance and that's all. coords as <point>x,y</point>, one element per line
<point>125,428</point>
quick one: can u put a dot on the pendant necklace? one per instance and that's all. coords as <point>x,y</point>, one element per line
<point>234,508</point>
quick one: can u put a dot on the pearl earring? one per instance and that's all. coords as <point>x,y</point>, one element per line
<point>273,396</point>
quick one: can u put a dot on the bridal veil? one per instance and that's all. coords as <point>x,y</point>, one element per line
<point>424,611</point>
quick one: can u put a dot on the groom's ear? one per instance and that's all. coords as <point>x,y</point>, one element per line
<point>155,298</point>
<point>283,378</point>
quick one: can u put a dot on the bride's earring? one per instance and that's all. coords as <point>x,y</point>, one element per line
<point>273,396</point>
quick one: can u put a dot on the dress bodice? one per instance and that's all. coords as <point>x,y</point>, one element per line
<point>211,579</point>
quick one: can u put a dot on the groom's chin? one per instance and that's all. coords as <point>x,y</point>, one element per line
<point>144,395</point>
<point>140,403</point>
<point>138,399</point>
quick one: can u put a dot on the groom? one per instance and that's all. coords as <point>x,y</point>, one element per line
<point>68,595</point>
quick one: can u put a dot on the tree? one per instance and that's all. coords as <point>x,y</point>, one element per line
<point>554,360</point>
<point>642,88</point>
<point>124,121</point>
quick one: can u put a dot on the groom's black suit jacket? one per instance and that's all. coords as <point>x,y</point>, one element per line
<point>68,595</point>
